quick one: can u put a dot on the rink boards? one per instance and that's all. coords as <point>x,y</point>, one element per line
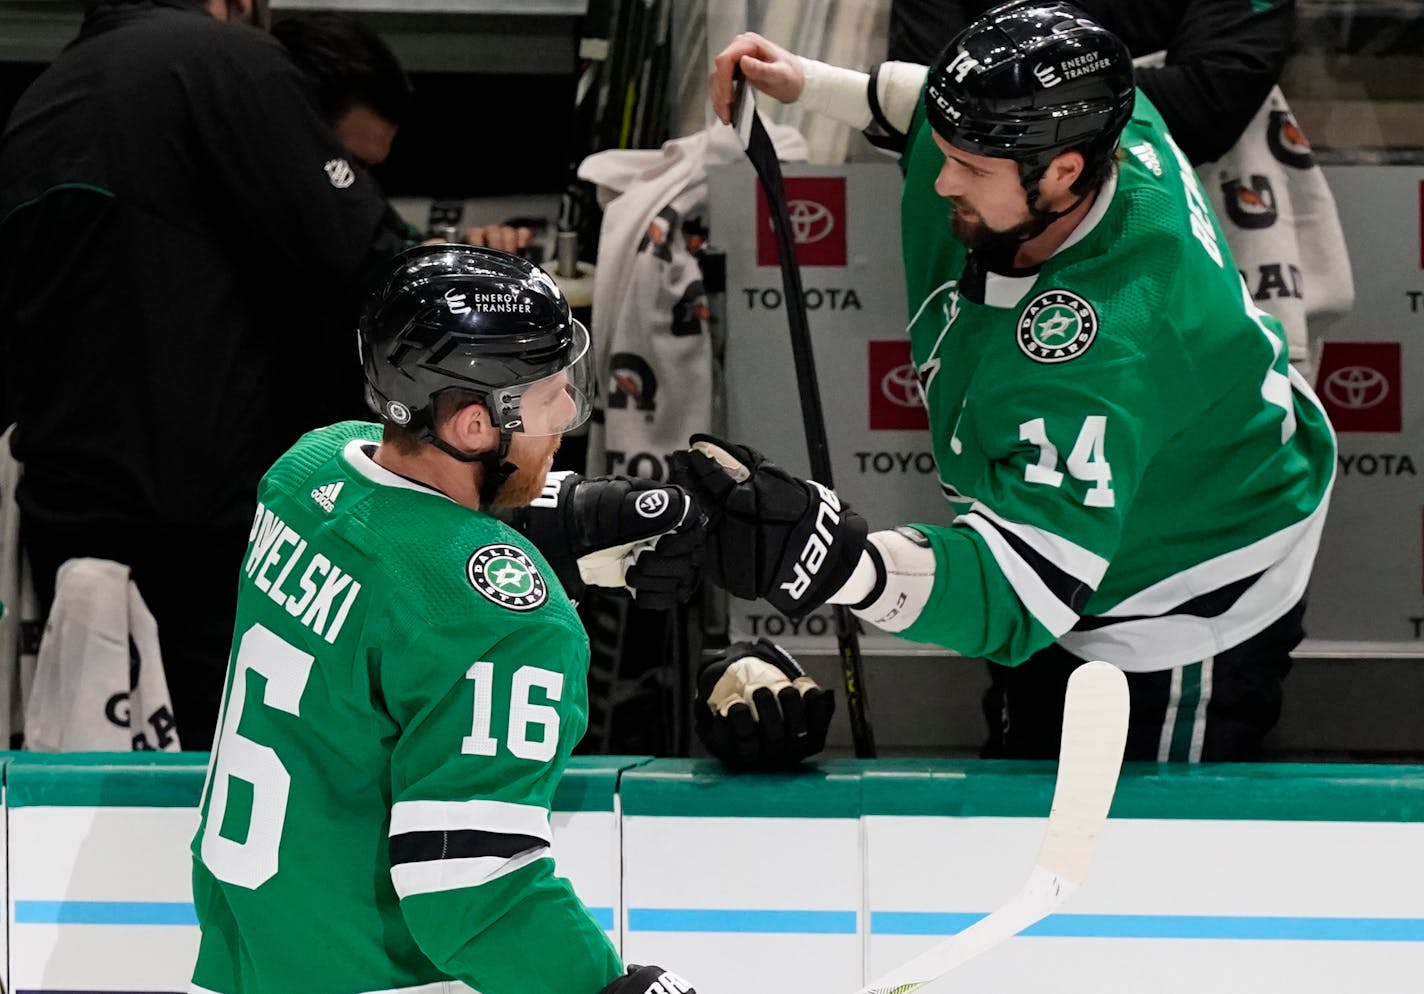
<point>1250,878</point>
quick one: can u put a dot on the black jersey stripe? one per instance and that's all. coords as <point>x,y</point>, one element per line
<point>1211,604</point>
<point>1070,590</point>
<point>467,843</point>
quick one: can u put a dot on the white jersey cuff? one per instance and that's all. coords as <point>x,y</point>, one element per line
<point>898,86</point>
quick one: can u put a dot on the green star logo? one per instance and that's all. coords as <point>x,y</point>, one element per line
<point>505,575</point>
<point>510,577</point>
<point>1057,326</point>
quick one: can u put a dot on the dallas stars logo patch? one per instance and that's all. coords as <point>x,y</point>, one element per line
<point>1057,326</point>
<point>506,576</point>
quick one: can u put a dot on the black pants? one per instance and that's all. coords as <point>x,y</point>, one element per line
<point>1217,709</point>
<point>188,579</point>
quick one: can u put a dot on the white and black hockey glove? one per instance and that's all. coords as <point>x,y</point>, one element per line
<point>617,532</point>
<point>649,980</point>
<point>770,535</point>
<point>757,709</point>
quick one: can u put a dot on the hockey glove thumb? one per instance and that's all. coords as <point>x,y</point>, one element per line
<point>617,532</point>
<point>757,709</point>
<point>770,534</point>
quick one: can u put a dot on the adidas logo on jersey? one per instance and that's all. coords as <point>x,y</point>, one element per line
<point>326,496</point>
<point>1147,155</point>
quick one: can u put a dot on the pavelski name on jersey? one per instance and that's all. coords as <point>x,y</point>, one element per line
<point>312,588</point>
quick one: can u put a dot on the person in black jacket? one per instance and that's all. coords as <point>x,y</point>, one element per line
<point>1222,56</point>
<point>358,81</point>
<point>365,96</point>
<point>181,236</point>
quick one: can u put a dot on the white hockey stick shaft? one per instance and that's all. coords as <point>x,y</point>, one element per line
<point>1094,735</point>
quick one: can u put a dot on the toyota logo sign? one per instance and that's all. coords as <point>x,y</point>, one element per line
<point>816,207</point>
<point>1356,388</point>
<point>1361,386</point>
<point>893,388</point>
<point>901,386</point>
<point>810,221</point>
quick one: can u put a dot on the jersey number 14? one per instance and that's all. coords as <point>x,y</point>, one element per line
<point>1086,462</point>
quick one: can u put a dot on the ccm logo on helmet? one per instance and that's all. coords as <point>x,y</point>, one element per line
<point>813,553</point>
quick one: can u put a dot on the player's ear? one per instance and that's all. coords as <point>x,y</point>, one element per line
<point>470,428</point>
<point>1061,174</point>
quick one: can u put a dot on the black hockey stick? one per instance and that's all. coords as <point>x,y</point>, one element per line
<point>762,154</point>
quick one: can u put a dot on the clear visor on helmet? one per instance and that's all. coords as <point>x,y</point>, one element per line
<point>557,403</point>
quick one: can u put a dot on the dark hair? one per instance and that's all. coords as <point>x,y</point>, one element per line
<point>347,62</point>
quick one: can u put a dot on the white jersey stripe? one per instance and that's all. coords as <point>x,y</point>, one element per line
<point>1158,643</point>
<point>436,875</point>
<point>1169,718</point>
<point>1266,555</point>
<point>1068,556</point>
<point>482,816</point>
<point>1194,753</point>
<point>1042,603</point>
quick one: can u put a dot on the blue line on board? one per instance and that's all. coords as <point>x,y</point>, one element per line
<point>1168,927</point>
<point>741,920</point>
<point>808,922</point>
<point>149,913</point>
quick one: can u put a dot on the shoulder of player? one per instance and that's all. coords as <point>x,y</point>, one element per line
<point>321,444</point>
<point>458,565</point>
<point>1131,274</point>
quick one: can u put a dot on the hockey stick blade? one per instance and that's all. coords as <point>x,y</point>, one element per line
<point>1094,735</point>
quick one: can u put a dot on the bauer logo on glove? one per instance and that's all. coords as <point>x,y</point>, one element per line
<point>770,534</point>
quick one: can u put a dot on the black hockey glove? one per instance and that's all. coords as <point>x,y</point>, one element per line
<point>770,534</point>
<point>649,980</point>
<point>617,532</point>
<point>757,709</point>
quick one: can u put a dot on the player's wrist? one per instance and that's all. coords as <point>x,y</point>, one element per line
<point>836,92</point>
<point>905,576</point>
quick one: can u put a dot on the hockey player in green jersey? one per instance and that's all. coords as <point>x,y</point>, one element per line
<point>408,676</point>
<point>1137,474</point>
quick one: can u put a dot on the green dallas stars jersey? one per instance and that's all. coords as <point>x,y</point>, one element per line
<point>1137,472</point>
<point>407,682</point>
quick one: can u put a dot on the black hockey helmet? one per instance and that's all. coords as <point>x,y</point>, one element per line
<point>458,317</point>
<point>1031,79</point>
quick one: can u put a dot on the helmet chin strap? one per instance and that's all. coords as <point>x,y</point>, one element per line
<point>498,469</point>
<point>1042,218</point>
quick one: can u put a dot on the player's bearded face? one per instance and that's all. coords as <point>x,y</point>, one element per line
<point>988,206</point>
<point>990,244</point>
<point>534,456</point>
